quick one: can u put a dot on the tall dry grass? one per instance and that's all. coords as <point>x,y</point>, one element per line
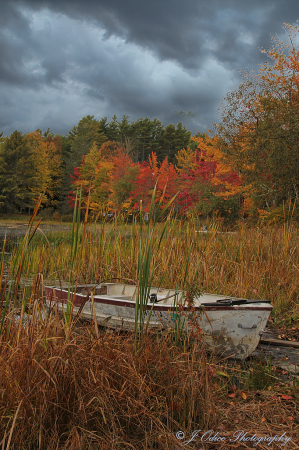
<point>65,388</point>
<point>250,263</point>
<point>96,389</point>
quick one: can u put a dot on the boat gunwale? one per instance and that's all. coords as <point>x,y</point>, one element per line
<point>111,300</point>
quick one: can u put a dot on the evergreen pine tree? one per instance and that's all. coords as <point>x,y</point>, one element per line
<point>19,187</point>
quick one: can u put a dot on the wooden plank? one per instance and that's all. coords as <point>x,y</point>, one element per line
<point>279,342</point>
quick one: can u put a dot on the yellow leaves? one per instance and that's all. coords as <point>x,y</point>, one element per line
<point>263,213</point>
<point>41,157</point>
<point>247,206</point>
<point>285,57</point>
<point>34,139</point>
<point>243,395</point>
<point>47,157</point>
<point>153,162</point>
<point>215,166</point>
<point>91,161</point>
<point>185,159</point>
<point>95,207</point>
<point>95,175</point>
<point>127,204</point>
<point>229,191</point>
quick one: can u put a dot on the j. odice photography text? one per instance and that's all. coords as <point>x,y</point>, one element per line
<point>212,436</point>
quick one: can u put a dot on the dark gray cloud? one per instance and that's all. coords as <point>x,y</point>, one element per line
<point>183,29</point>
<point>61,60</point>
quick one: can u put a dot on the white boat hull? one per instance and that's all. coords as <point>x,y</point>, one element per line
<point>229,327</point>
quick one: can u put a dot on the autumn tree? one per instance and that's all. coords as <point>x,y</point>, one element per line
<point>82,137</point>
<point>48,162</point>
<point>54,146</point>
<point>206,181</point>
<point>152,173</point>
<point>122,181</point>
<point>94,176</point>
<point>259,128</point>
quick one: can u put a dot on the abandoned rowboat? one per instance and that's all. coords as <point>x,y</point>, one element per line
<point>230,326</point>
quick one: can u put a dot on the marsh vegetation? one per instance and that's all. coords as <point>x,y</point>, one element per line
<point>85,387</point>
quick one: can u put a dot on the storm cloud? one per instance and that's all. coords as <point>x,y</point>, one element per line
<point>61,60</point>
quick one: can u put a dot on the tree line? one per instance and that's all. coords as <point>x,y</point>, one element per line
<point>44,162</point>
<point>114,174</point>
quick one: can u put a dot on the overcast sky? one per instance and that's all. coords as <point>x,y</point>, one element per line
<point>62,60</point>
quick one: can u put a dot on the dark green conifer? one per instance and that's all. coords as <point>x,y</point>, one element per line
<point>18,174</point>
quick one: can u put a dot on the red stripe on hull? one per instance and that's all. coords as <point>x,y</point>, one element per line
<point>61,295</point>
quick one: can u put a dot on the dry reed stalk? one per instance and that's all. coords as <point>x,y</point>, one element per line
<point>97,391</point>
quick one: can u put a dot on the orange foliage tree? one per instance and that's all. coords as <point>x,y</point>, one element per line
<point>206,180</point>
<point>162,175</point>
<point>259,128</point>
<point>122,181</point>
<point>107,175</point>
